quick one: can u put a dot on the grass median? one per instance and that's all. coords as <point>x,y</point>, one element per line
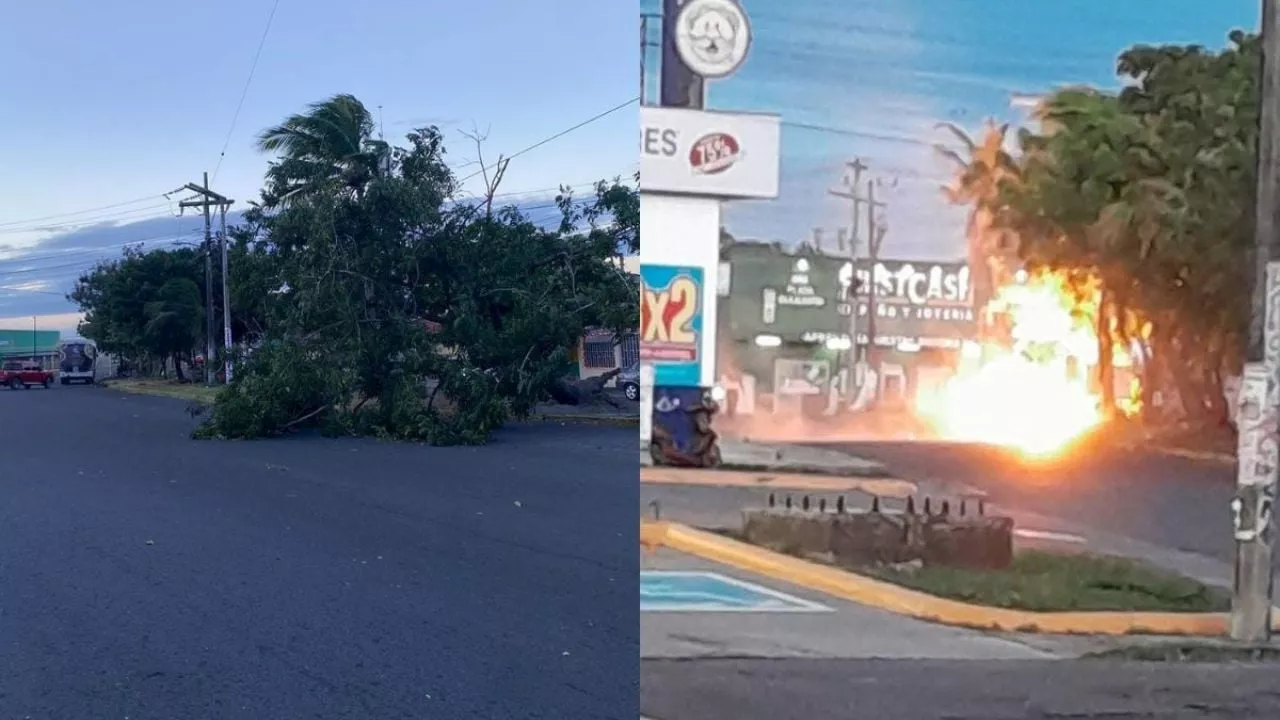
<point>191,391</point>
<point>1047,582</point>
<point>1043,581</point>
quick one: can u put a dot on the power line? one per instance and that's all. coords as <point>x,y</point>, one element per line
<point>856,133</point>
<point>245,92</point>
<point>73,225</point>
<point>80,212</point>
<point>170,238</point>
<point>557,136</point>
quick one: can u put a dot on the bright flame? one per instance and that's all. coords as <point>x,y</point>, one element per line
<point>1032,391</point>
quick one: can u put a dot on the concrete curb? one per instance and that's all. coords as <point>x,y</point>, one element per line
<point>871,470</point>
<point>592,419</point>
<point>903,601</point>
<point>796,482</point>
<point>1202,456</point>
<point>1215,457</point>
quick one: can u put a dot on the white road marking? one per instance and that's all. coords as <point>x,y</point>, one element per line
<point>1048,535</point>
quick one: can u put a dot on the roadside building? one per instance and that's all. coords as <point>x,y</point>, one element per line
<point>785,326</point>
<point>30,346</point>
<point>600,351</point>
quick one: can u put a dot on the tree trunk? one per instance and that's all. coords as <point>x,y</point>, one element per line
<point>177,367</point>
<point>1106,372</point>
<point>1190,394</point>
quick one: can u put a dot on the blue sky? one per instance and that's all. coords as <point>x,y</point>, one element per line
<point>113,104</point>
<point>873,78</point>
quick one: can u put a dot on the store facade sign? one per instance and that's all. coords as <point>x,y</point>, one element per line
<point>712,37</point>
<point>915,283</point>
<point>671,323</point>
<point>709,154</point>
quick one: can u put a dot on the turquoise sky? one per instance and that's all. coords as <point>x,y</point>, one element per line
<point>110,102</point>
<point>879,75</point>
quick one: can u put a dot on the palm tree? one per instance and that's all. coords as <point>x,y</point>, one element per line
<point>981,169</point>
<point>331,145</point>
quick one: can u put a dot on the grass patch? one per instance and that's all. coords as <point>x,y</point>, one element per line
<point>1043,581</point>
<point>1046,582</point>
<point>194,392</point>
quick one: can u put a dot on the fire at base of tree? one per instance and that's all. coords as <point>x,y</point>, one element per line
<point>368,298</point>
<point>1110,246</point>
<point>1141,201</point>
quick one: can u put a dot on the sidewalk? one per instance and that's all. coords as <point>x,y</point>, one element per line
<point>773,457</point>
<point>848,631</point>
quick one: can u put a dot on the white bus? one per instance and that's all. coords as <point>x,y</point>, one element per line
<point>78,359</point>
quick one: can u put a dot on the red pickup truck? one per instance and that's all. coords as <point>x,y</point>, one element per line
<point>20,377</point>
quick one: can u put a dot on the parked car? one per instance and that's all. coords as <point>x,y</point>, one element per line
<point>20,377</point>
<point>629,381</point>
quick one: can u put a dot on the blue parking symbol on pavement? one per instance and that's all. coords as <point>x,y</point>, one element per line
<point>698,591</point>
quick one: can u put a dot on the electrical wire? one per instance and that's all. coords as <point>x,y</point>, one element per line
<point>116,218</point>
<point>170,239</point>
<point>58,216</point>
<point>235,117</point>
<point>554,137</point>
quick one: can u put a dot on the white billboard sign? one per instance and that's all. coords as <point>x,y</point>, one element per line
<point>709,154</point>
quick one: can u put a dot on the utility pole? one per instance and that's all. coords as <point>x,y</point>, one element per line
<point>226,296</point>
<point>1256,422</point>
<point>875,237</point>
<point>680,86</point>
<point>850,184</point>
<point>207,200</point>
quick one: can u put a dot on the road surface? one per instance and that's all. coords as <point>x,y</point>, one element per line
<point>954,690</point>
<point>1160,499</point>
<point>146,575</point>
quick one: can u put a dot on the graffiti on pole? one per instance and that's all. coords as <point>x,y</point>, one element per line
<point>1258,452</point>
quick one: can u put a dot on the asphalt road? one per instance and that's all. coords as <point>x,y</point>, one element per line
<point>1160,499</point>
<point>146,575</point>
<point>954,690</point>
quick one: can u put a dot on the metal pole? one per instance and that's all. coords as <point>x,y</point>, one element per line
<point>226,295</point>
<point>644,47</point>
<point>35,353</point>
<point>679,87</point>
<point>1257,461</point>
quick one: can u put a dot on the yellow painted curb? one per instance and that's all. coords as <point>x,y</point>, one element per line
<point>884,487</point>
<point>653,535</point>
<point>903,601</point>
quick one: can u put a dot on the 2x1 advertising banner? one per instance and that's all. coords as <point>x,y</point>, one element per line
<point>671,323</point>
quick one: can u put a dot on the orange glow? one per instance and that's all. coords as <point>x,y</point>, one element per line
<point>1032,391</point>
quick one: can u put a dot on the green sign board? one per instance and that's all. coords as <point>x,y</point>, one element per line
<point>23,343</point>
<point>806,297</point>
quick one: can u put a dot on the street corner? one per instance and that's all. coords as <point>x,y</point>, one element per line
<point>887,487</point>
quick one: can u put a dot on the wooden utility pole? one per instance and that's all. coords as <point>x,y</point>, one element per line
<point>680,86</point>
<point>876,230</point>
<point>851,189</point>
<point>208,199</point>
<point>226,295</point>
<point>1256,420</point>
